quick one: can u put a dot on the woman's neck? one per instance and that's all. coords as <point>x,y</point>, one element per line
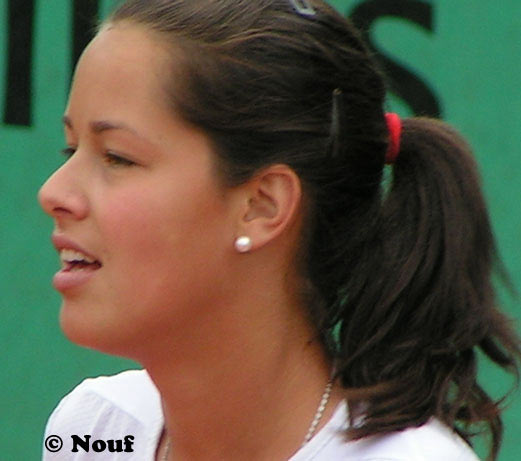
<point>251,396</point>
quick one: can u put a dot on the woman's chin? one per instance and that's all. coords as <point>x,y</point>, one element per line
<point>83,327</point>
<point>79,328</point>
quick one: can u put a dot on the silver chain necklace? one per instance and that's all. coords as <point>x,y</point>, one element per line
<point>312,428</point>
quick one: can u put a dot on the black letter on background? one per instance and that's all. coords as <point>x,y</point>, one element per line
<point>84,26</point>
<point>403,82</point>
<point>20,17</point>
<point>77,441</point>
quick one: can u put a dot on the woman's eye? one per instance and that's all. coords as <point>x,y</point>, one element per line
<point>68,152</point>
<point>116,160</point>
<point>108,157</point>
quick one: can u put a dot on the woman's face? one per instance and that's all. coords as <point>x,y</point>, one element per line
<point>139,197</point>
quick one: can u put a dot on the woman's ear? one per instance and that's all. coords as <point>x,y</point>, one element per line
<point>270,205</point>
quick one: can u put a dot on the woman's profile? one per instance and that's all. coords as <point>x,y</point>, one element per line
<point>221,219</point>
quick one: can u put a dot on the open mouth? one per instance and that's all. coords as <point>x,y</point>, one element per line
<point>73,260</point>
<point>80,265</point>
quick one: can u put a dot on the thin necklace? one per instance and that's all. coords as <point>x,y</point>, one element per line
<point>320,411</point>
<point>167,450</point>
<point>311,431</point>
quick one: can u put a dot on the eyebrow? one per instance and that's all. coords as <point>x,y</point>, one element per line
<point>99,126</point>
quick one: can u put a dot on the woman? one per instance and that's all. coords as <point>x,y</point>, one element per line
<point>221,220</point>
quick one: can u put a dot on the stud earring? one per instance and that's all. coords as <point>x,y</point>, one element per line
<point>243,244</point>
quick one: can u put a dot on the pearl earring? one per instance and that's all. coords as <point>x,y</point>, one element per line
<point>243,244</point>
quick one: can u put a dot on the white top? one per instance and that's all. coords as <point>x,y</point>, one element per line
<point>110,408</point>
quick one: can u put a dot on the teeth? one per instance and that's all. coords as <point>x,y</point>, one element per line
<point>69,256</point>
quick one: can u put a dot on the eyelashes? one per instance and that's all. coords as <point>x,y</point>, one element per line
<point>68,152</point>
<point>109,157</point>
<point>116,160</point>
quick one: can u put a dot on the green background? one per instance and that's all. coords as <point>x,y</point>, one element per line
<point>472,60</point>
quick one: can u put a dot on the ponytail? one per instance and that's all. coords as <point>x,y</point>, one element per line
<point>409,335</point>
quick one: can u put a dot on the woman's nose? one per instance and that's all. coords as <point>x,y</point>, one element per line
<point>61,196</point>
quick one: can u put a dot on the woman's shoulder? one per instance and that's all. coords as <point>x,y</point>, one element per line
<point>433,441</point>
<point>131,391</point>
<point>110,407</point>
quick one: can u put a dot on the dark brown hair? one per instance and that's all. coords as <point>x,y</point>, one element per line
<point>399,283</point>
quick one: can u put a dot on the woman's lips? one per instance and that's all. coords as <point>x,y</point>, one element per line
<point>61,242</point>
<point>69,278</point>
<point>78,266</point>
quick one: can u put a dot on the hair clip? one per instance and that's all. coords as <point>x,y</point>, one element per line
<point>303,7</point>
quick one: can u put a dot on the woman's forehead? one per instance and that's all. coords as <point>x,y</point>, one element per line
<point>121,68</point>
<point>125,44</point>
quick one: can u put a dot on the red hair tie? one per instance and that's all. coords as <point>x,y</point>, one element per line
<point>394,125</point>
